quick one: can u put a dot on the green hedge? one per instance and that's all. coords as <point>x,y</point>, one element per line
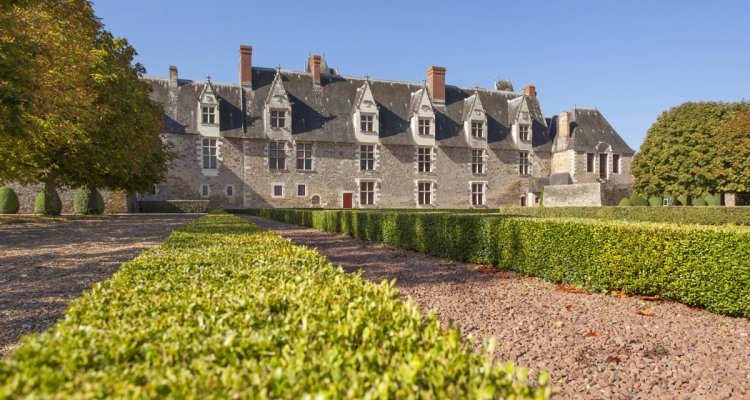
<point>8,201</point>
<point>699,266</point>
<point>81,203</point>
<point>56,203</point>
<point>223,309</point>
<point>677,215</point>
<point>174,206</point>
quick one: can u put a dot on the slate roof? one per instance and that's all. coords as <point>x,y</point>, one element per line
<point>589,128</point>
<point>324,113</point>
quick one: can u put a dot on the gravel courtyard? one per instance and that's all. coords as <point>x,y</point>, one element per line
<point>44,265</point>
<point>595,346</point>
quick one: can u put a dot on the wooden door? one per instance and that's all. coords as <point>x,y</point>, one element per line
<point>348,200</point>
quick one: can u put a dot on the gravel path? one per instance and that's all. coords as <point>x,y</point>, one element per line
<point>594,345</point>
<point>45,265</point>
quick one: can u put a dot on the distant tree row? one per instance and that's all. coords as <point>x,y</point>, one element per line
<point>695,149</point>
<point>73,110</point>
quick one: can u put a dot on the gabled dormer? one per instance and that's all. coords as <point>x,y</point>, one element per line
<point>277,111</point>
<point>422,119</point>
<point>365,115</point>
<point>475,121</point>
<point>208,111</point>
<point>519,117</point>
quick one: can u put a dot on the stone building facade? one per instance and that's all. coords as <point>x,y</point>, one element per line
<point>283,138</point>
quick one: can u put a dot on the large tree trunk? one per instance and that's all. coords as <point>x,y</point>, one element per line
<point>50,188</point>
<point>92,206</point>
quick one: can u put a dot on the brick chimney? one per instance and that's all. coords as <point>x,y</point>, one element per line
<point>563,125</point>
<point>172,76</point>
<point>436,80</point>
<point>530,90</point>
<point>315,68</point>
<point>246,65</point>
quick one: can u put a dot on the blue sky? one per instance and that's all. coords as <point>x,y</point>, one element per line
<point>630,59</point>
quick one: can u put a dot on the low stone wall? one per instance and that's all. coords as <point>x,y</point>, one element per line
<point>114,202</point>
<point>576,195</point>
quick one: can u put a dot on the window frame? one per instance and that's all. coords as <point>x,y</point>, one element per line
<point>208,114</point>
<point>277,118</point>
<point>205,190</point>
<point>524,163</point>
<point>590,161</point>
<point>307,156</point>
<point>481,195</point>
<point>524,133</point>
<point>274,185</point>
<point>367,158</point>
<point>367,121</point>
<point>615,163</point>
<point>229,190</point>
<point>424,126</point>
<point>209,154</point>
<point>276,155</point>
<point>478,168</point>
<point>367,195</point>
<point>304,186</point>
<point>477,129</point>
<point>425,197</point>
<point>424,161</point>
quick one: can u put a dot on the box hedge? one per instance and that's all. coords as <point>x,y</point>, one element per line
<point>677,215</point>
<point>174,206</point>
<point>700,266</point>
<point>8,201</point>
<point>81,202</point>
<point>56,203</point>
<point>223,309</point>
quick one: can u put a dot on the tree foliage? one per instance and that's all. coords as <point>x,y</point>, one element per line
<point>684,151</point>
<point>73,107</point>
<point>733,145</point>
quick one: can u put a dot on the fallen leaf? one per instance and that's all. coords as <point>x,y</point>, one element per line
<point>568,307</point>
<point>483,269</point>
<point>592,334</point>
<point>504,276</point>
<point>646,313</point>
<point>569,289</point>
<point>613,360</point>
<point>619,294</point>
<point>650,298</point>
<point>559,324</point>
<point>748,342</point>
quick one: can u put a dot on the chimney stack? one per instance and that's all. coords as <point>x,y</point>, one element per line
<point>172,76</point>
<point>563,125</point>
<point>436,80</point>
<point>530,91</point>
<point>246,66</point>
<point>315,69</point>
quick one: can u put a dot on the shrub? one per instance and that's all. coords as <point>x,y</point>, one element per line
<point>655,201</point>
<point>81,202</point>
<point>56,203</point>
<point>625,203</point>
<point>637,200</point>
<point>682,200</point>
<point>713,200</point>
<point>699,266</point>
<point>8,201</point>
<point>223,308</point>
<point>174,206</point>
<point>699,201</point>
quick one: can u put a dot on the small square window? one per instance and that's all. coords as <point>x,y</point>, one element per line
<point>208,115</point>
<point>278,190</point>
<point>205,190</point>
<point>367,123</point>
<point>424,126</point>
<point>477,129</point>
<point>278,119</point>
<point>230,190</point>
<point>301,190</point>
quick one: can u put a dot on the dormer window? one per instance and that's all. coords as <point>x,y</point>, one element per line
<point>477,129</point>
<point>424,126</point>
<point>208,115</point>
<point>367,123</point>
<point>278,119</point>
<point>524,133</point>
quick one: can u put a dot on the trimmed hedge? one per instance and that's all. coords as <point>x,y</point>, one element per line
<point>81,202</point>
<point>56,204</point>
<point>174,206</point>
<point>699,266</point>
<point>677,215</point>
<point>223,309</point>
<point>8,201</point>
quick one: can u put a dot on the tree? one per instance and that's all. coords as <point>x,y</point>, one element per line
<point>47,105</point>
<point>679,155</point>
<point>733,147</point>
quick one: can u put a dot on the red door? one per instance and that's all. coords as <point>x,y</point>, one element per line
<point>348,200</point>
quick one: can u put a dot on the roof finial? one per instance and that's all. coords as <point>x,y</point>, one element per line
<point>208,78</point>
<point>278,68</point>
<point>367,77</point>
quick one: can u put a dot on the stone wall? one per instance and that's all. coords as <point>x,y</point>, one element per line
<point>576,195</point>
